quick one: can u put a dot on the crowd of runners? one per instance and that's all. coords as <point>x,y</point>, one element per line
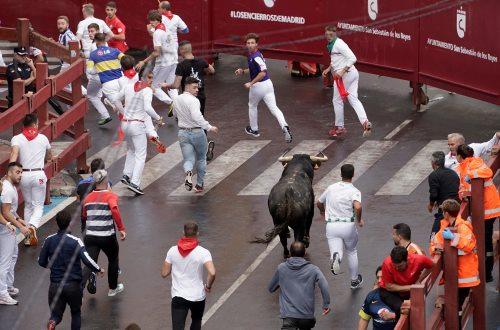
<point>119,88</point>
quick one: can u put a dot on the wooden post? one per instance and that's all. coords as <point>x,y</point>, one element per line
<point>450,265</point>
<point>417,310</point>
<point>17,95</point>
<point>477,214</point>
<point>23,32</point>
<point>42,72</point>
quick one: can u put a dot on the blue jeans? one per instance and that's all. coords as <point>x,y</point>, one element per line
<point>194,150</point>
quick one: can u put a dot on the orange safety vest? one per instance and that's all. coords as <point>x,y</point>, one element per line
<point>473,168</point>
<point>465,242</point>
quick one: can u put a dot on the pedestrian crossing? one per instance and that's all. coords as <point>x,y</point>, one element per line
<point>403,182</point>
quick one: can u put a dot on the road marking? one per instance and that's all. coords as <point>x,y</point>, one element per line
<point>397,129</point>
<point>110,154</point>
<point>225,164</point>
<point>239,281</point>
<point>263,184</point>
<point>155,168</point>
<point>409,177</point>
<point>362,158</point>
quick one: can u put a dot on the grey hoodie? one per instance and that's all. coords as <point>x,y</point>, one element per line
<point>297,279</point>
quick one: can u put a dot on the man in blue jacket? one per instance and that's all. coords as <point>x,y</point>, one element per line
<point>297,279</point>
<point>62,252</point>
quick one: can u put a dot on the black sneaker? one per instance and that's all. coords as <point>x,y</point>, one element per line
<point>489,278</point>
<point>92,284</point>
<point>104,121</point>
<point>251,132</point>
<point>356,284</point>
<point>210,151</point>
<point>335,264</point>
<point>288,134</point>
<point>198,188</point>
<point>125,180</point>
<point>135,188</point>
<point>188,182</point>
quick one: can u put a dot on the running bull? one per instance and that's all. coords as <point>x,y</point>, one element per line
<point>291,201</point>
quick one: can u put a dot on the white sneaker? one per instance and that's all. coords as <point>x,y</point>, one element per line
<point>13,291</point>
<point>119,288</point>
<point>5,299</point>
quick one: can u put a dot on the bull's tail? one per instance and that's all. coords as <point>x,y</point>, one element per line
<point>270,234</point>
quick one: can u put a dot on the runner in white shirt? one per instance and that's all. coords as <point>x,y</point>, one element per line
<point>186,262</point>
<point>341,206</point>
<point>8,243</point>
<point>165,56</point>
<point>82,30</point>
<point>482,150</point>
<point>173,22</point>
<point>32,150</point>
<point>342,68</point>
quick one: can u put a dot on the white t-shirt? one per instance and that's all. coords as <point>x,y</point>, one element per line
<point>173,25</point>
<point>341,56</point>
<point>83,32</point>
<point>168,55</point>
<point>482,150</point>
<point>187,272</point>
<point>338,199</point>
<point>9,196</point>
<point>31,153</point>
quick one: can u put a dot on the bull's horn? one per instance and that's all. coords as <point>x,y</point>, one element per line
<point>285,159</point>
<point>323,158</point>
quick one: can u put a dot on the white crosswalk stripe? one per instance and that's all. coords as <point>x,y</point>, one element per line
<point>362,158</point>
<point>225,164</point>
<point>411,175</point>
<point>263,184</point>
<point>110,154</point>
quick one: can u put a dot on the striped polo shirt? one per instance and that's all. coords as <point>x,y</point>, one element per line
<point>105,61</point>
<point>66,37</point>
<point>100,214</point>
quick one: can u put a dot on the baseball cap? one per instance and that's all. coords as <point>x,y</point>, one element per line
<point>99,176</point>
<point>20,51</point>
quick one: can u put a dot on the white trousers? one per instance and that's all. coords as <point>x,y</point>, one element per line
<point>94,94</point>
<point>33,186</point>
<point>8,258</point>
<point>135,135</point>
<point>111,89</point>
<point>164,74</point>
<point>350,79</point>
<point>340,236</point>
<point>263,90</point>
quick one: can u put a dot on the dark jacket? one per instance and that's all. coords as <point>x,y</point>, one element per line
<point>297,279</point>
<point>443,185</point>
<point>63,250</point>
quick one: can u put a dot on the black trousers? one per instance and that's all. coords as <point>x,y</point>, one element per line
<point>70,294</point>
<point>180,308</point>
<point>393,299</point>
<point>291,323</point>
<point>488,244</point>
<point>109,245</point>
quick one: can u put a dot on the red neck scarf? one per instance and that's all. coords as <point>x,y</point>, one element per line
<point>169,14</point>
<point>140,85</point>
<point>161,26</point>
<point>30,132</point>
<point>186,245</point>
<point>130,73</point>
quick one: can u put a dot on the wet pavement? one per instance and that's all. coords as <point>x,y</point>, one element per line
<point>228,221</point>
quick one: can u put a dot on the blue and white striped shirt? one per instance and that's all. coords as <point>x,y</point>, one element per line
<point>66,37</point>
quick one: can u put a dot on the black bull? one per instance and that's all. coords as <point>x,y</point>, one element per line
<point>291,201</point>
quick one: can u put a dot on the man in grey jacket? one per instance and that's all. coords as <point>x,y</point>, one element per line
<point>297,279</point>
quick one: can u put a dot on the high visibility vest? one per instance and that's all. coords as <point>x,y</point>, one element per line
<point>473,168</point>
<point>465,242</point>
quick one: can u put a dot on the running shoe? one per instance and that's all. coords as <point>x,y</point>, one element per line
<point>337,131</point>
<point>33,239</point>
<point>113,292</point>
<point>335,264</point>
<point>135,188</point>
<point>13,291</point>
<point>198,188</point>
<point>210,150</point>
<point>251,132</point>
<point>367,128</point>
<point>170,110</point>
<point>188,182</point>
<point>6,299</point>
<point>288,134</point>
<point>356,284</point>
<point>51,325</point>
<point>104,121</point>
<point>92,283</point>
<point>125,179</point>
